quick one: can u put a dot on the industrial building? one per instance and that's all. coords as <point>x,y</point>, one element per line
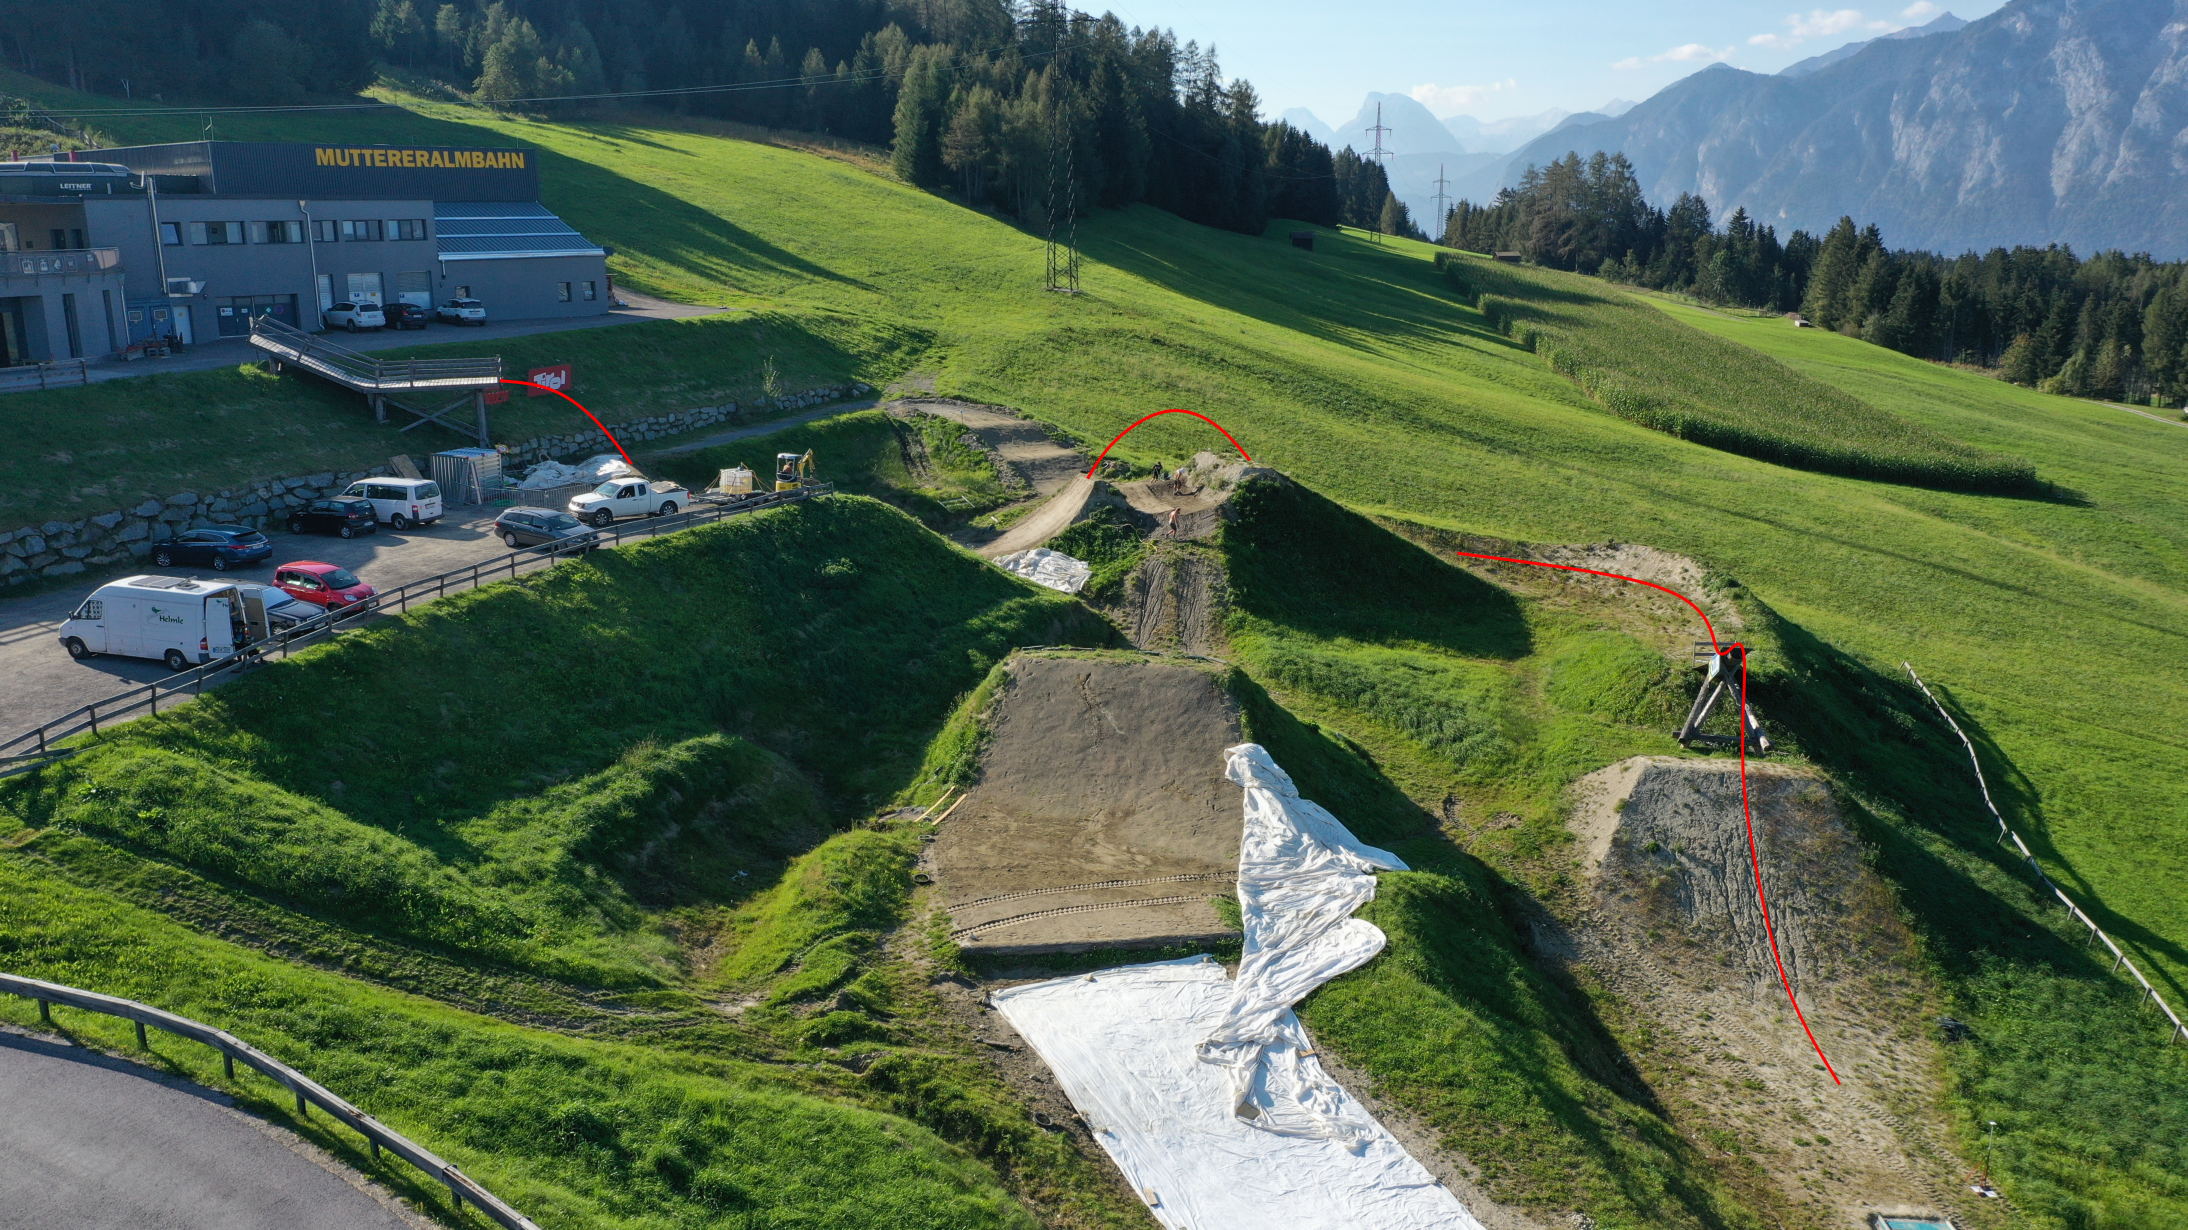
<point>102,248</point>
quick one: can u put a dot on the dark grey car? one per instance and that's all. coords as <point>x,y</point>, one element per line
<point>542,527</point>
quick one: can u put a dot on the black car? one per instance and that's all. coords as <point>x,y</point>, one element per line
<point>222,546</point>
<point>349,518</point>
<point>406,316</point>
<point>544,527</point>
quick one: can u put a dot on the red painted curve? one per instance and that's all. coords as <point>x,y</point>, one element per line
<point>530,384</point>
<point>1747,812</point>
<point>1157,414</point>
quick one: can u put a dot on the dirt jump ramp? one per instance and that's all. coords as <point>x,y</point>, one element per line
<point>1101,817</point>
<point>1673,925</point>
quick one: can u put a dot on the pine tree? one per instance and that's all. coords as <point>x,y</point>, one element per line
<point>1832,277</point>
<point>917,154</point>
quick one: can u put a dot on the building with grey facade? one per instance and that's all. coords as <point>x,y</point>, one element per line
<point>102,248</point>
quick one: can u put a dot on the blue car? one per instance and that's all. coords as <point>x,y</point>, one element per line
<point>222,546</point>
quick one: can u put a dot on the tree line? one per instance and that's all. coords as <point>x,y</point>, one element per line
<point>2111,325</point>
<point>1008,107</point>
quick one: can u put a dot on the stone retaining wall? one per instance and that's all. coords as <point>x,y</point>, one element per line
<point>62,548</point>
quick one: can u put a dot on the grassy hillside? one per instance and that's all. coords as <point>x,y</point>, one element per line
<point>1660,374</point>
<point>541,774</point>
<point>2056,626</point>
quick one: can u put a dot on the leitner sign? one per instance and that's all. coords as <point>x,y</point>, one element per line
<point>377,156</point>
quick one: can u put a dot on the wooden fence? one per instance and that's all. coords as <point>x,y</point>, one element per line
<point>2120,960</point>
<point>309,1093</point>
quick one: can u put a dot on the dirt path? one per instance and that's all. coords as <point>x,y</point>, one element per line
<point>1045,522</point>
<point>1174,601</point>
<point>758,429</point>
<point>1102,816</point>
<point>1019,445</point>
<point>1675,928</point>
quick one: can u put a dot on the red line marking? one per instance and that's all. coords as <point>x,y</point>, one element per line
<point>1747,812</point>
<point>1143,418</point>
<point>588,414</point>
<point>1755,857</point>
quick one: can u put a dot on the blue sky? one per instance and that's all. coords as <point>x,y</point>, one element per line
<point>1505,59</point>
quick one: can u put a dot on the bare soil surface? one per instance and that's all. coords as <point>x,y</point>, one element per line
<point>1021,447</point>
<point>1174,601</point>
<point>1673,925</point>
<point>1045,522</point>
<point>1102,816</point>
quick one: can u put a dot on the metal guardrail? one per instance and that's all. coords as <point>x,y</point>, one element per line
<point>2119,959</point>
<point>57,374</point>
<point>44,744</point>
<point>309,1093</point>
<point>364,373</point>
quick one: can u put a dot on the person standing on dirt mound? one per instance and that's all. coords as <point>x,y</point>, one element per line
<point>1173,523</point>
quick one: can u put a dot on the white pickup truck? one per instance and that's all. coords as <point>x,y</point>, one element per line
<point>629,497</point>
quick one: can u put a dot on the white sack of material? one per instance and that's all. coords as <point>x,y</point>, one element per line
<point>1206,1091</point>
<point>548,475</point>
<point>1045,567</point>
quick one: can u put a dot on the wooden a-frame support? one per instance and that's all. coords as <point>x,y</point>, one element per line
<point>381,401</point>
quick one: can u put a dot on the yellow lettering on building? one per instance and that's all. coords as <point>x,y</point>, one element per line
<point>323,156</point>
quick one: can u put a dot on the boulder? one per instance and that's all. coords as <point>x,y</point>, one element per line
<point>183,499</point>
<point>107,521</point>
<point>33,544</point>
<point>65,569</point>
<point>147,509</point>
<point>135,531</point>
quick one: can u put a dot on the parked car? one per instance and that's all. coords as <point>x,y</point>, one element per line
<point>341,515</point>
<point>323,585</point>
<point>629,497</point>
<point>544,528</point>
<point>401,502</point>
<point>462,312</point>
<point>221,546</point>
<point>268,609</point>
<point>407,316</point>
<point>355,316</point>
<point>179,620</point>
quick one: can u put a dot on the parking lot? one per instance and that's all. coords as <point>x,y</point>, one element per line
<point>43,682</point>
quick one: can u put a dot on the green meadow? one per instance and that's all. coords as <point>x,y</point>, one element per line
<point>2053,623</point>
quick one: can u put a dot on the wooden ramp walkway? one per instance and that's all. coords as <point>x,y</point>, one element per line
<point>386,382</point>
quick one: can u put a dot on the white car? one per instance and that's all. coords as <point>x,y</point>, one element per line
<point>462,312</point>
<point>399,503</point>
<point>629,497</point>
<point>355,316</point>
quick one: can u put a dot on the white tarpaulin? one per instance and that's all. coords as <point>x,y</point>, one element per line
<point>548,475</point>
<point>1045,567</point>
<point>1207,1091</point>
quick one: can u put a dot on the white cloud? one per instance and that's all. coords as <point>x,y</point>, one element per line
<point>1685,52</point>
<point>1920,10</point>
<point>1445,100</point>
<point>1827,23</point>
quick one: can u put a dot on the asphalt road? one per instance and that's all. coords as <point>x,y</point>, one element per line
<point>40,682</point>
<point>90,1142</point>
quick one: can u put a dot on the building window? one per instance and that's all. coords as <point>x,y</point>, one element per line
<point>277,232</point>
<point>361,230</point>
<point>328,231</point>
<point>406,228</point>
<point>216,232</point>
<point>171,234</point>
<point>76,239</point>
<point>562,292</point>
<point>592,292</point>
<point>463,292</point>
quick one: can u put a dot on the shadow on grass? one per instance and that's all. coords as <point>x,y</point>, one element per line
<point>1303,561</point>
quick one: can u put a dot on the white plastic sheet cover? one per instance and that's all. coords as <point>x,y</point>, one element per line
<point>548,475</point>
<point>1045,567</point>
<point>1206,1091</point>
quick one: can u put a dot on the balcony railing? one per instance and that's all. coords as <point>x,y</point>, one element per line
<point>66,261</point>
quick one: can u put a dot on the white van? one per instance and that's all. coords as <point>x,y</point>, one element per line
<point>399,503</point>
<point>181,621</point>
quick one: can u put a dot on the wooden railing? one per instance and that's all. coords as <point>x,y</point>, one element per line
<point>364,373</point>
<point>2120,960</point>
<point>309,1093</point>
<point>58,374</point>
<point>55,739</point>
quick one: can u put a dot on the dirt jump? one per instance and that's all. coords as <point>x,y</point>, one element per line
<point>1101,817</point>
<point>1675,926</point>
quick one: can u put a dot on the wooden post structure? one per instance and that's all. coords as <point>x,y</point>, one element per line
<point>479,397</point>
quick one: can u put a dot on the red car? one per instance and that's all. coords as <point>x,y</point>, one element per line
<point>323,584</point>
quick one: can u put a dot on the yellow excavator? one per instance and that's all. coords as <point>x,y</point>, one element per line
<point>793,471</point>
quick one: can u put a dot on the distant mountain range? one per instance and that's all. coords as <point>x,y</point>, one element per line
<point>2048,121</point>
<point>1946,24</point>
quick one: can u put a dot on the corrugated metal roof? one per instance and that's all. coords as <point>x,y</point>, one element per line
<point>501,230</point>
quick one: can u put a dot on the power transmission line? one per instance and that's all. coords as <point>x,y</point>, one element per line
<point>1443,212</point>
<point>1382,161</point>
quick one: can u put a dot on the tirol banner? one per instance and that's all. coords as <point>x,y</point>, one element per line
<point>556,378</point>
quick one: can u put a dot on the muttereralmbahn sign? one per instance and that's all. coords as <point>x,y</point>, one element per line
<point>381,156</point>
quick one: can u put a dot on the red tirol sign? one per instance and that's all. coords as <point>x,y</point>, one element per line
<point>556,378</point>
